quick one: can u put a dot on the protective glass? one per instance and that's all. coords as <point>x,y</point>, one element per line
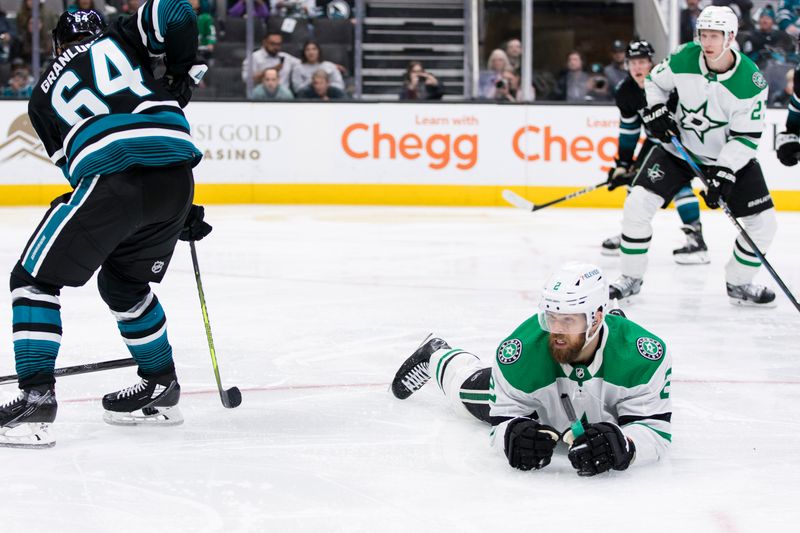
<point>567,324</point>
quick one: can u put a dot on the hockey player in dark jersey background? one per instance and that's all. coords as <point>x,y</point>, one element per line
<point>630,99</point>
<point>122,141</point>
<point>787,143</point>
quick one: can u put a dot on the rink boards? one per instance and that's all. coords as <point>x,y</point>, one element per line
<point>382,154</point>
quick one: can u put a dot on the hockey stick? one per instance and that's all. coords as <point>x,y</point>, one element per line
<point>699,174</point>
<point>518,201</point>
<point>80,369</point>
<point>231,397</point>
<point>575,425</point>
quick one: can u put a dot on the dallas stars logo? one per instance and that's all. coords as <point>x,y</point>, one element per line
<point>509,351</point>
<point>655,173</point>
<point>698,121</point>
<point>649,348</point>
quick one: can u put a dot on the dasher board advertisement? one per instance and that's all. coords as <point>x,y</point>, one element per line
<point>393,153</point>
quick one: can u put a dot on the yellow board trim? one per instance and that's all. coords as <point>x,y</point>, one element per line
<point>371,194</point>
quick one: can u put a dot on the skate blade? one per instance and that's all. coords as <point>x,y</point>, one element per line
<point>692,259</point>
<point>31,435</point>
<point>738,302</point>
<point>609,253</point>
<point>166,416</point>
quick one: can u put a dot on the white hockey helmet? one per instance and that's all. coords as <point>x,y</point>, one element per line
<point>719,18</point>
<point>575,289</point>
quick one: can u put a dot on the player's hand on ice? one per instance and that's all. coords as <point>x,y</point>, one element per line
<point>720,183</point>
<point>602,447</point>
<point>621,174</point>
<point>529,444</point>
<point>660,122</point>
<point>194,228</point>
<point>788,148</point>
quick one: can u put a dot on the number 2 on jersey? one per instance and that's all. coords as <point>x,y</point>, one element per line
<point>112,73</point>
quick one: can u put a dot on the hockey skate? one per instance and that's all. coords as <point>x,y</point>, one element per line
<point>751,295</point>
<point>25,421</point>
<point>413,373</point>
<point>695,252</point>
<point>624,288</point>
<point>152,402</point>
<point>611,246</point>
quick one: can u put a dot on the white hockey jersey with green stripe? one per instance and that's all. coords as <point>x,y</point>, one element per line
<point>627,382</point>
<point>720,116</point>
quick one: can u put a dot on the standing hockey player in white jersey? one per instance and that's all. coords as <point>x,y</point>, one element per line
<point>719,119</point>
<point>630,99</point>
<point>573,373</point>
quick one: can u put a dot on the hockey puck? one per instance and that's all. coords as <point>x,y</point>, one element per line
<point>234,397</point>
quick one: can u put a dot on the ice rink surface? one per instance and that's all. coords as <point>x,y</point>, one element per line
<point>314,308</point>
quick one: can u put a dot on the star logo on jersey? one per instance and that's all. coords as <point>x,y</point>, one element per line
<point>509,352</point>
<point>698,122</point>
<point>655,173</point>
<point>650,348</point>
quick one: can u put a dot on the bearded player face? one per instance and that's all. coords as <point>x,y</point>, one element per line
<point>567,336</point>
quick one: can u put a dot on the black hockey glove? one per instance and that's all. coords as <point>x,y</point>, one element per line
<point>720,183</point>
<point>620,175</point>
<point>602,447</point>
<point>194,228</point>
<point>788,148</point>
<point>660,123</point>
<point>529,444</point>
<point>180,86</point>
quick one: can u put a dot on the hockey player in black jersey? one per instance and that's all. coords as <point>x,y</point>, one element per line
<point>630,99</point>
<point>122,141</point>
<point>787,143</point>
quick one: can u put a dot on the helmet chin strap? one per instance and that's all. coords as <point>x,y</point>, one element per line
<point>593,335</point>
<point>725,48</point>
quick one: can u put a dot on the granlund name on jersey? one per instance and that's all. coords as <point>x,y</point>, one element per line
<point>627,383</point>
<point>720,116</point>
<point>98,108</point>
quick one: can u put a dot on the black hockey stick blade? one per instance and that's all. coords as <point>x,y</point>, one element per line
<point>231,397</point>
<point>80,369</point>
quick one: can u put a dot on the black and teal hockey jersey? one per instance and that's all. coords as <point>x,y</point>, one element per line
<point>98,108</point>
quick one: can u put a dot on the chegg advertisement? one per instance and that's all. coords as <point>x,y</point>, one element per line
<point>393,153</point>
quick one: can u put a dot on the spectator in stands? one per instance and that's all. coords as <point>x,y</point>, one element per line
<point>270,88</point>
<point>270,55</point>
<point>615,71</point>
<point>300,9</point>
<point>513,49</point>
<point>320,89</point>
<point>23,47</point>
<point>310,62</point>
<point>5,39</point>
<point>599,88</point>
<point>420,85</point>
<point>789,17</point>
<point>495,66</point>
<point>783,98</point>
<point>573,82</point>
<point>239,9</point>
<point>206,32</point>
<point>689,20</point>
<point>20,84</point>
<point>744,6</point>
<point>766,42</point>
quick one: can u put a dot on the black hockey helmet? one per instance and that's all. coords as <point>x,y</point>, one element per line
<point>640,49</point>
<point>76,25</point>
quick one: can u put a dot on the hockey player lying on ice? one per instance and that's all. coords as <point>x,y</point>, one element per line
<point>571,355</point>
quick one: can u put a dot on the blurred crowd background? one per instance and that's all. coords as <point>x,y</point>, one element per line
<point>407,50</point>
